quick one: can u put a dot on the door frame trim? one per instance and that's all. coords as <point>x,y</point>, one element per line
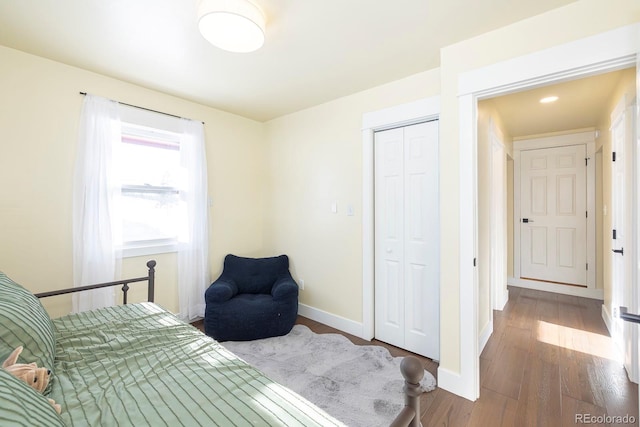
<point>401,115</point>
<point>603,52</point>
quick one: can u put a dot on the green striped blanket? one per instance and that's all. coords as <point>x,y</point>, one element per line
<point>136,365</point>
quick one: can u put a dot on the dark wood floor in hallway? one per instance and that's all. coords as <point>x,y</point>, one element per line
<point>549,362</point>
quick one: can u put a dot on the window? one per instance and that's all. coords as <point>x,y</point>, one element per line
<point>149,167</point>
<point>143,173</point>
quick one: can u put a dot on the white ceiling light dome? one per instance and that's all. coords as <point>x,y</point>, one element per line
<point>232,25</point>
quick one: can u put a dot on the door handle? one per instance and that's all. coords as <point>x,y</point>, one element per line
<point>618,251</point>
<point>526,220</point>
<point>625,315</point>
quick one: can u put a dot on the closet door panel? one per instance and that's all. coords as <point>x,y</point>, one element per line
<point>421,241</point>
<point>407,238</point>
<point>389,237</point>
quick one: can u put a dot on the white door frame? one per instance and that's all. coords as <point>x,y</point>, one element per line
<point>601,53</point>
<point>397,116</point>
<point>636,204</point>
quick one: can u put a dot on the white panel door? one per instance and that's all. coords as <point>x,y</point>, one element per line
<point>553,227</point>
<point>422,249</point>
<point>623,291</point>
<point>389,236</point>
<point>407,238</point>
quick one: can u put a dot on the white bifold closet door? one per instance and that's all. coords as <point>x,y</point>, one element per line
<point>407,238</point>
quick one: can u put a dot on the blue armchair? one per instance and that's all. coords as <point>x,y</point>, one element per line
<point>253,298</point>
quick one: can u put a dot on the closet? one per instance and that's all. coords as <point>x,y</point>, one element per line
<point>407,253</point>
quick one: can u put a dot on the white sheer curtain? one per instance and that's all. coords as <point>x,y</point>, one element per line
<point>96,222</point>
<point>193,238</point>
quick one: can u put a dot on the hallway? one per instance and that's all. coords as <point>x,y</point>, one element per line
<point>550,358</point>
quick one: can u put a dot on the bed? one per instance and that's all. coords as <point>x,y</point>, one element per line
<point>134,365</point>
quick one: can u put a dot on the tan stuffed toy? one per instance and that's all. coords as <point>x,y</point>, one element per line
<point>37,378</point>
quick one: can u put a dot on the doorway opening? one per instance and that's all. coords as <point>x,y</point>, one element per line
<point>565,143</point>
<point>561,63</point>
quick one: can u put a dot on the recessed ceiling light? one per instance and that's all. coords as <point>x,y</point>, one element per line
<point>548,99</point>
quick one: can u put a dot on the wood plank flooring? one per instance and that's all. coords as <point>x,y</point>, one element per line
<point>537,368</point>
<point>549,359</point>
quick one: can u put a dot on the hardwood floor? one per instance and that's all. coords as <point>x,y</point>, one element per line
<point>549,360</point>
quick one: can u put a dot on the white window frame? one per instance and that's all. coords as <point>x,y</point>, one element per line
<point>136,119</point>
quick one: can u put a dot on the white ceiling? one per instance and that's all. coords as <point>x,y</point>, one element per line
<point>581,104</point>
<point>316,50</point>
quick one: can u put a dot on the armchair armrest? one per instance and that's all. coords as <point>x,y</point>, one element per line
<point>284,288</point>
<point>223,289</point>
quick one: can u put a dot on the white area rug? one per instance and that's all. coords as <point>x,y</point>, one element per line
<point>359,385</point>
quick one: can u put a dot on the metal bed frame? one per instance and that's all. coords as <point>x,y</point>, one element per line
<point>411,368</point>
<point>150,278</point>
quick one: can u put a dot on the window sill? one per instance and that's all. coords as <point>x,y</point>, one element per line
<point>143,250</point>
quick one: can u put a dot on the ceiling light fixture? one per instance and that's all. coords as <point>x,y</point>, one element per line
<point>548,99</point>
<point>232,25</point>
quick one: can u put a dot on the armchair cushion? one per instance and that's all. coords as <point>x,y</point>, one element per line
<point>221,290</point>
<point>255,275</point>
<point>284,288</point>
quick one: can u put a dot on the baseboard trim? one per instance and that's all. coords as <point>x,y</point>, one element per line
<point>505,299</point>
<point>485,335</point>
<point>608,320</point>
<point>338,322</point>
<point>558,289</point>
<point>454,383</point>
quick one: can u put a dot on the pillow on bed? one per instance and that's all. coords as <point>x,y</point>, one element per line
<point>20,405</point>
<point>25,323</point>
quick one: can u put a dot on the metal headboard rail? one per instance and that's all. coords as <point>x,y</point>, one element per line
<point>125,285</point>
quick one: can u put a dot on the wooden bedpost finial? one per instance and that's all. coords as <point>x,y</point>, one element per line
<point>411,369</point>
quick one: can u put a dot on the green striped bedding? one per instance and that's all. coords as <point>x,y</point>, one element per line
<point>24,322</point>
<point>136,365</point>
<point>20,405</point>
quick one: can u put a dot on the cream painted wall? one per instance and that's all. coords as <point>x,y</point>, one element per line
<point>572,22</point>
<point>323,165</point>
<point>39,113</point>
<point>510,222</point>
<point>484,218</point>
<point>315,158</point>
<point>599,222</point>
<point>488,117</point>
<point>287,171</point>
<point>603,204</point>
